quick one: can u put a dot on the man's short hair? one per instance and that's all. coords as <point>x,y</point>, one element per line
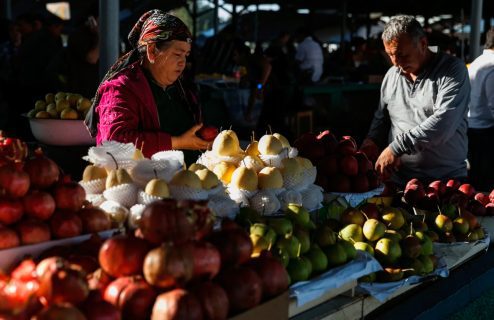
<point>489,39</point>
<point>400,25</point>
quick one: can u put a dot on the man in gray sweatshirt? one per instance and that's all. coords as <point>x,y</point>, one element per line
<point>421,121</point>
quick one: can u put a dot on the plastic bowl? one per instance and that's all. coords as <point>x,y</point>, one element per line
<point>57,132</point>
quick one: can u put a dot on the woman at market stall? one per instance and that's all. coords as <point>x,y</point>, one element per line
<point>142,98</point>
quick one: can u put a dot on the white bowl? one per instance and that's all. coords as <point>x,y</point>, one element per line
<point>59,132</point>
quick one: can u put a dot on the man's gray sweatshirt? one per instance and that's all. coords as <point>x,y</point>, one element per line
<point>425,122</point>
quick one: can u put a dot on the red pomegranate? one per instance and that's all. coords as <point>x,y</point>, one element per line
<point>39,204</point>
<point>10,211</point>
<point>94,220</point>
<point>234,245</point>
<point>272,273</point>
<point>60,311</point>
<point>87,264</point>
<point>8,238</point>
<point>168,265</point>
<point>50,265</point>
<point>99,280</point>
<point>165,221</point>
<point>69,196</point>
<point>213,299</point>
<point>33,231</point>
<point>101,310</point>
<point>176,304</point>
<point>65,224</point>
<point>207,260</point>
<point>243,287</point>
<point>43,172</point>
<point>123,255</point>
<point>63,285</point>
<point>133,296</point>
<point>14,180</point>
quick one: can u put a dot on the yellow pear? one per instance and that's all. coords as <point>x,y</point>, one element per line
<point>224,171</point>
<point>252,149</point>
<point>283,140</point>
<point>226,144</point>
<point>245,179</point>
<point>40,105</point>
<point>291,167</point>
<point>157,188</point>
<point>61,105</point>
<point>269,145</point>
<point>72,98</point>
<point>209,180</point>
<point>83,104</point>
<point>186,178</point>
<point>196,166</point>
<point>138,155</point>
<point>304,162</point>
<point>60,96</point>
<point>93,173</point>
<point>117,177</point>
<point>270,178</point>
<point>69,113</point>
<point>252,162</point>
<point>49,98</point>
<point>52,110</point>
<point>42,115</point>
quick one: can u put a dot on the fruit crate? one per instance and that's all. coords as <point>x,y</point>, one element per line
<point>12,256</point>
<point>274,309</point>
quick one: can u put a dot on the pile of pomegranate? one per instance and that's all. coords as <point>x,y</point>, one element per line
<point>37,203</point>
<point>174,267</point>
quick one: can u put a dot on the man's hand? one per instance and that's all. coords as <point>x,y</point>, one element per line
<point>387,163</point>
<point>189,141</point>
<point>370,148</point>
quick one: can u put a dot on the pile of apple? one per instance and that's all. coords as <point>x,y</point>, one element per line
<point>175,267</point>
<point>37,205</point>
<point>62,105</point>
<point>340,166</point>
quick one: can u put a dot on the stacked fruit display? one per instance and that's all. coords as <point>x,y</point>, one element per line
<point>452,207</point>
<point>36,205</point>
<point>400,242</point>
<point>259,175</point>
<point>340,167</point>
<point>62,105</point>
<point>177,267</point>
<point>306,250</point>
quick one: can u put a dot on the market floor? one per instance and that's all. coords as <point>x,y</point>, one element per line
<point>480,309</point>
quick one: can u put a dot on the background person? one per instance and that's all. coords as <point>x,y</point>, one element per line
<point>421,121</point>
<point>142,100</point>
<point>481,117</point>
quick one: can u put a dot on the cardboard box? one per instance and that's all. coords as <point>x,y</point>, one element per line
<point>274,309</point>
<point>11,257</point>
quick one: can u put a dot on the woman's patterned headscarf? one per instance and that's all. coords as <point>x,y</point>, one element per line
<point>153,26</point>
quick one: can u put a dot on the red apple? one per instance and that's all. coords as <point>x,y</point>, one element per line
<point>414,181</point>
<point>414,193</point>
<point>349,165</point>
<point>491,196</point>
<point>339,183</point>
<point>33,231</point>
<point>482,198</point>
<point>322,181</point>
<point>373,178</point>
<point>439,186</point>
<point>360,183</point>
<point>476,208</point>
<point>346,146</point>
<point>467,189</point>
<point>453,184</point>
<point>328,165</point>
<point>207,133</point>
<point>328,140</point>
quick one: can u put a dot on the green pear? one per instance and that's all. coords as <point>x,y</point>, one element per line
<point>298,214</point>
<point>336,255</point>
<point>291,245</point>
<point>460,225</point>
<point>158,188</point>
<point>247,216</point>
<point>373,229</point>
<point>263,230</point>
<point>411,246</point>
<point>443,223</point>
<point>304,238</point>
<point>393,218</point>
<point>428,265</point>
<point>352,232</point>
<point>299,269</point>
<point>336,207</point>
<point>324,236</point>
<point>259,244</point>
<point>364,246</point>
<point>352,215</point>
<point>282,255</point>
<point>317,258</point>
<point>393,235</point>
<point>283,227</point>
<point>350,250</point>
<point>426,243</point>
<point>387,251</point>
<point>449,210</point>
<point>414,267</point>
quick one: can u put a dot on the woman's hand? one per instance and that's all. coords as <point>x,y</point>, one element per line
<point>189,141</point>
